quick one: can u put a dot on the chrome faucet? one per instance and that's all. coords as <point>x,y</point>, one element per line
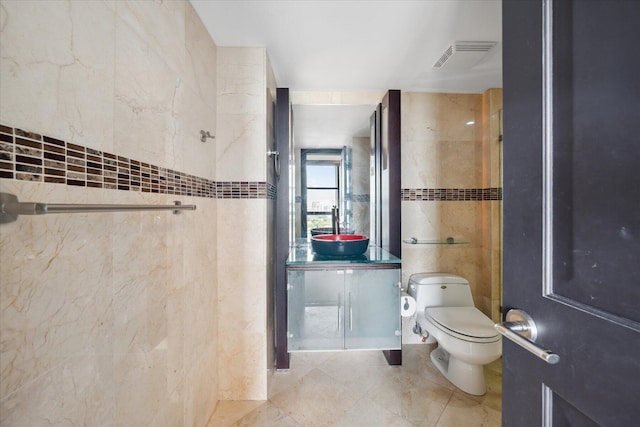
<point>335,220</point>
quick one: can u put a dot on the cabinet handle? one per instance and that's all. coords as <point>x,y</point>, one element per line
<point>350,314</point>
<point>338,311</point>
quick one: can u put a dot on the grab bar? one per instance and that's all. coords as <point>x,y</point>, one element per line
<point>10,208</point>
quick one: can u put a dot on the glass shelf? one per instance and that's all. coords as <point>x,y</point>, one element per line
<point>448,241</point>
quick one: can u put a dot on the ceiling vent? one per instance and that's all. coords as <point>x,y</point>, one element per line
<point>463,55</point>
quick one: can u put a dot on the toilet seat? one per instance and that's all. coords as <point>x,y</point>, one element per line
<point>465,323</point>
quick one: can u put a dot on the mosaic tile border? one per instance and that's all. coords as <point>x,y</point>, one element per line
<point>438,194</point>
<point>451,194</point>
<point>30,156</point>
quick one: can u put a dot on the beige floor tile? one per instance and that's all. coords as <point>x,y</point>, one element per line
<point>414,399</point>
<point>283,381</point>
<point>368,413</point>
<point>315,400</point>
<point>229,411</point>
<point>266,415</point>
<point>353,389</point>
<point>300,364</point>
<point>463,411</point>
<point>357,376</point>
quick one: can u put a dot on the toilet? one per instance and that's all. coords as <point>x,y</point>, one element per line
<point>466,337</point>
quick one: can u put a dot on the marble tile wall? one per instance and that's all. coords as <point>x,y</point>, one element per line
<point>110,318</point>
<point>492,211</point>
<point>451,189</point>
<point>245,133</point>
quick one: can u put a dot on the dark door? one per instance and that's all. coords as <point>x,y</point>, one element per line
<point>572,210</point>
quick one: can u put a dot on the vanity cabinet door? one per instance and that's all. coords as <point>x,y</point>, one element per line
<point>315,310</point>
<point>372,309</point>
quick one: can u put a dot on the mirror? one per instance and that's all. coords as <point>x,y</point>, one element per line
<point>322,188</point>
<point>331,148</point>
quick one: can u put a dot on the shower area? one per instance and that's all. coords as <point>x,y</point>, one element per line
<point>125,317</point>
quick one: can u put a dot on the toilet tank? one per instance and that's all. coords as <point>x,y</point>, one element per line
<point>439,290</point>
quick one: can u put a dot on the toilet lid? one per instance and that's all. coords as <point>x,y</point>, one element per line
<point>466,321</point>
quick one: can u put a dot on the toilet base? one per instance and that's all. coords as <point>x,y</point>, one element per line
<point>468,378</point>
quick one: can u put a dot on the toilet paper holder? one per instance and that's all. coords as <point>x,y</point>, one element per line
<point>408,305</point>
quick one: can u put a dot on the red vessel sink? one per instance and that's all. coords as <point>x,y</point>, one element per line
<point>339,244</point>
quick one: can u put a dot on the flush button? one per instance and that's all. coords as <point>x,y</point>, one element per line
<point>443,287</point>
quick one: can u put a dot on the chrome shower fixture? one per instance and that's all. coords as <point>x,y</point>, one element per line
<point>204,135</point>
<point>276,160</point>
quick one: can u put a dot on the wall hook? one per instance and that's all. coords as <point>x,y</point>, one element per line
<point>204,135</point>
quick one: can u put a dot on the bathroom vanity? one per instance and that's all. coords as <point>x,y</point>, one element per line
<point>343,303</point>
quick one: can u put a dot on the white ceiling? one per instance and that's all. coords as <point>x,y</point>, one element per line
<point>358,45</point>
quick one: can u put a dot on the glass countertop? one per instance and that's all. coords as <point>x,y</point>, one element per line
<point>302,254</point>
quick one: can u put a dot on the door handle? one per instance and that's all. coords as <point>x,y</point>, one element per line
<point>520,328</point>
